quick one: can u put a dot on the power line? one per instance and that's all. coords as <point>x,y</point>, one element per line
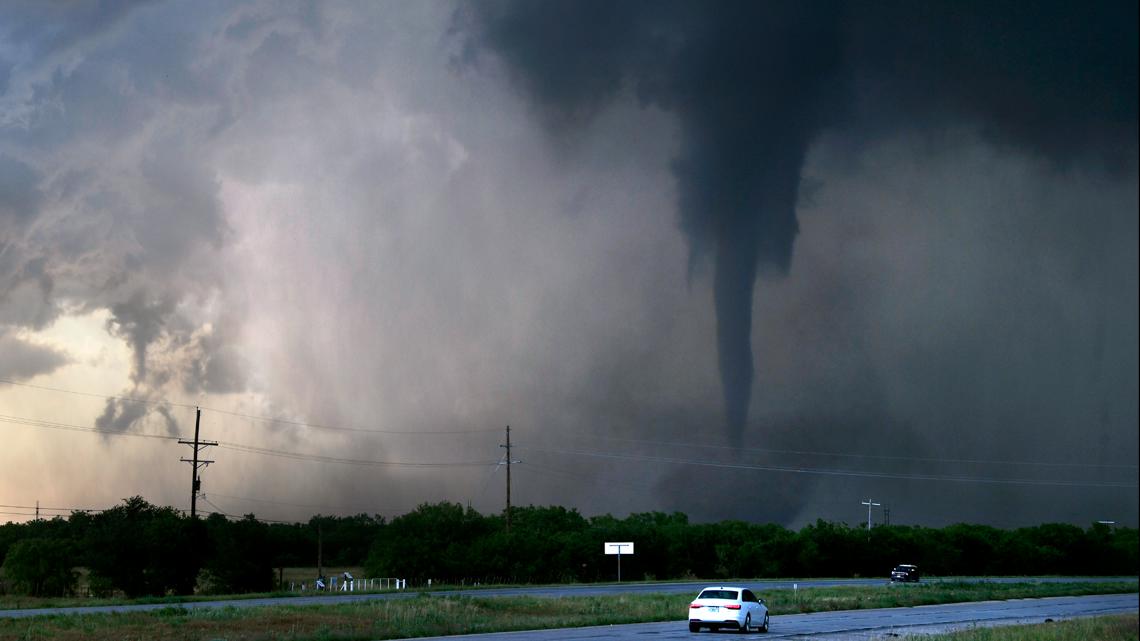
<point>222,512</point>
<point>323,426</point>
<point>347,461</point>
<point>851,455</point>
<point>255,417</point>
<point>341,508</point>
<point>51,509</point>
<point>326,426</point>
<point>845,473</point>
<point>246,448</point>
<point>31,422</point>
<point>610,485</point>
<point>124,399</point>
<point>615,456</point>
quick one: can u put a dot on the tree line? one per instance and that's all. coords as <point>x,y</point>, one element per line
<point>139,549</point>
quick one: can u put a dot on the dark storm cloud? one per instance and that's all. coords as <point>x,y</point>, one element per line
<point>1056,79</point>
<point>140,320</point>
<point>303,211</point>
<point>754,84</point>
<point>120,415</point>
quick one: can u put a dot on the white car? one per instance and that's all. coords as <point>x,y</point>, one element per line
<point>728,607</point>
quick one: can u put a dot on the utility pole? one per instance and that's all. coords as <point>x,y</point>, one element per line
<point>509,461</point>
<point>887,515</point>
<point>869,503</point>
<point>196,463</point>
<point>37,509</point>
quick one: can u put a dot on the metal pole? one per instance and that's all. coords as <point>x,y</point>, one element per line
<point>508,479</point>
<point>508,448</point>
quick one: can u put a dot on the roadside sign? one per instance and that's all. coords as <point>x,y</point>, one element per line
<point>620,548</point>
<point>625,547</point>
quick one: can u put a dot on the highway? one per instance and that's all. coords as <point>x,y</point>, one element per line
<point>853,625</point>
<point>759,586</point>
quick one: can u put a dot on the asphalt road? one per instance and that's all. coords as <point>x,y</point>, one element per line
<point>853,625</point>
<point>552,591</point>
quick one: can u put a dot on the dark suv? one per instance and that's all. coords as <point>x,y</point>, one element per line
<point>905,573</point>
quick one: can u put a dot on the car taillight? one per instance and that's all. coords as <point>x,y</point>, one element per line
<point>734,606</point>
<point>694,606</point>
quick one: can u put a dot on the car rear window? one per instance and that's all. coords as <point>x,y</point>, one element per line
<point>719,594</point>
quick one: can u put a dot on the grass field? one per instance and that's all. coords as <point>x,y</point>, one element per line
<point>295,576</point>
<point>428,616</point>
<point>1107,628</point>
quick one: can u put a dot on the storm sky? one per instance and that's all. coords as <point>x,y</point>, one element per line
<point>741,260</point>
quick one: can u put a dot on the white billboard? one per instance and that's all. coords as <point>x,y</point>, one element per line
<point>625,547</point>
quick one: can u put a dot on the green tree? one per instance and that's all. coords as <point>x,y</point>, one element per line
<point>41,567</point>
<point>432,542</point>
<point>143,549</point>
<point>239,561</point>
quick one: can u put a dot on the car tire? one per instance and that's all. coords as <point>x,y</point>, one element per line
<point>764,626</point>
<point>747,623</point>
<point>693,627</point>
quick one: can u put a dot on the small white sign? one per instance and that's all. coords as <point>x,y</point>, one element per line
<point>625,547</point>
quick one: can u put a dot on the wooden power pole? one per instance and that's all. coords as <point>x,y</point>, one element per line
<point>195,462</point>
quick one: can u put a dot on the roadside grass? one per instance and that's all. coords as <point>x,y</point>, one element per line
<point>20,602</point>
<point>289,575</point>
<point>1120,627</point>
<point>296,576</point>
<point>304,574</point>
<point>909,595</point>
<point>428,615</point>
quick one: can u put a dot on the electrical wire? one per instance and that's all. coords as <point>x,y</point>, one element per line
<point>297,456</point>
<point>288,504</point>
<point>885,457</point>
<point>829,472</point>
<point>31,422</point>
<point>605,455</point>
<point>222,512</point>
<point>640,488</point>
<point>255,417</point>
<point>245,448</point>
<point>324,426</point>
<point>50,509</point>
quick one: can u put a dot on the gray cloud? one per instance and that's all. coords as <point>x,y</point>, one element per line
<point>26,298</point>
<point>19,192</point>
<point>312,212</point>
<point>121,415</point>
<point>24,360</point>
<point>140,321</point>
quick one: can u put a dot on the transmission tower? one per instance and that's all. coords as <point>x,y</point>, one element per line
<point>509,461</point>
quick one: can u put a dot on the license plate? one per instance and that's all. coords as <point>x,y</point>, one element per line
<point>714,608</point>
